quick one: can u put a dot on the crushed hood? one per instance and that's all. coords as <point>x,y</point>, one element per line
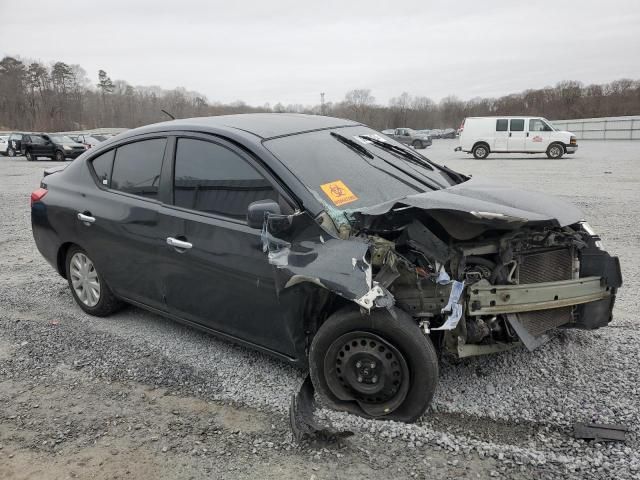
<point>487,204</point>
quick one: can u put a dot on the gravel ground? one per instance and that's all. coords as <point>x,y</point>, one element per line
<point>138,396</point>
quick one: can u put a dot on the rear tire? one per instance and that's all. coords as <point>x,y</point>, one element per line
<point>418,144</point>
<point>59,156</point>
<point>480,151</point>
<point>11,152</point>
<point>375,366</point>
<point>30,157</point>
<point>555,151</point>
<point>87,286</point>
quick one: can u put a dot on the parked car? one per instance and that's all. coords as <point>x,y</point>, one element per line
<point>389,131</point>
<point>409,136</point>
<point>56,147</point>
<point>101,138</point>
<point>87,140</point>
<point>484,135</point>
<point>321,242</point>
<point>426,133</point>
<point>448,133</point>
<point>436,133</point>
<point>14,146</point>
<point>4,142</point>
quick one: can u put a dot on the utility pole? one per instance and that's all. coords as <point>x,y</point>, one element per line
<point>322,103</point>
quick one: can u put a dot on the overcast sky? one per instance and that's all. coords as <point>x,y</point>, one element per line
<point>290,51</point>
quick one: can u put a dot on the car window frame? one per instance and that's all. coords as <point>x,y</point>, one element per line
<point>251,159</point>
<point>162,195</point>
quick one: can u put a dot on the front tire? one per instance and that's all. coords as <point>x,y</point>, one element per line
<point>11,152</point>
<point>555,151</point>
<point>59,156</point>
<point>88,288</point>
<point>375,365</point>
<point>30,157</point>
<point>418,144</point>
<point>480,151</point>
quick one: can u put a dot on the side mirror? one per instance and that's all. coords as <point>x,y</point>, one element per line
<point>257,211</point>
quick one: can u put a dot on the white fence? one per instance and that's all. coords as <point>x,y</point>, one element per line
<point>605,128</point>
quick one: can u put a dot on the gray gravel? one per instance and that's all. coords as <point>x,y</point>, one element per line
<point>504,416</point>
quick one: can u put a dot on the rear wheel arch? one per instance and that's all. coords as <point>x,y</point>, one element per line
<point>481,145</point>
<point>61,258</point>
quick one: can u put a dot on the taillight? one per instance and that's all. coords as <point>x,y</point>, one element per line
<point>37,195</point>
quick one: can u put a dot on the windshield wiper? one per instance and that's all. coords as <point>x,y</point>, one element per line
<point>352,144</point>
<point>423,161</point>
<point>363,151</point>
<point>400,150</point>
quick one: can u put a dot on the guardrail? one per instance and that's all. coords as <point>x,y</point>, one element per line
<point>604,128</point>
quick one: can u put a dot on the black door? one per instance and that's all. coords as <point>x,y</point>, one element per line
<point>47,148</point>
<point>37,146</point>
<point>119,220</point>
<point>217,273</point>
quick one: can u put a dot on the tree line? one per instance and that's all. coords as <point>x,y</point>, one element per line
<point>60,96</point>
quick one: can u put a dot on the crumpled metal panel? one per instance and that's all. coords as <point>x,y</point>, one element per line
<point>520,206</point>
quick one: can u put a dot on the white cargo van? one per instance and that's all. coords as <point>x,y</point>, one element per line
<point>484,135</point>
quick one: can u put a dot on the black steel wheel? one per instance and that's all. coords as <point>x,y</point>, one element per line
<point>375,365</point>
<point>363,367</point>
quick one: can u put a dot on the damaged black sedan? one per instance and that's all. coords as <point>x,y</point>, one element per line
<point>321,242</point>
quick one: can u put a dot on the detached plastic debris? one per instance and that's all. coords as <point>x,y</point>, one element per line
<point>600,432</point>
<point>453,309</point>
<point>303,424</point>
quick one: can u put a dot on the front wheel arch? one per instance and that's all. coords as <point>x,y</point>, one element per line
<point>402,332</point>
<point>562,147</point>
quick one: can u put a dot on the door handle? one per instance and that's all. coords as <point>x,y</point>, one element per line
<point>86,218</point>
<point>509,133</point>
<point>527,134</point>
<point>174,242</point>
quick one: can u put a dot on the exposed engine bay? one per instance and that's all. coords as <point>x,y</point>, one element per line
<point>487,293</point>
<point>474,287</point>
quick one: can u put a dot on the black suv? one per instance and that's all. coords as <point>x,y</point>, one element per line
<point>55,146</point>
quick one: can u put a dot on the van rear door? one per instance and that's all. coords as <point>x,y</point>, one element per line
<point>517,136</point>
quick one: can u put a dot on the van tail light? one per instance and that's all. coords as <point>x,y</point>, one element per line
<point>38,195</point>
<point>462,125</point>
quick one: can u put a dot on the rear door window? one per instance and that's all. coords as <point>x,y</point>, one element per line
<point>102,166</point>
<point>517,125</point>
<point>502,125</point>
<point>137,167</point>
<point>213,179</point>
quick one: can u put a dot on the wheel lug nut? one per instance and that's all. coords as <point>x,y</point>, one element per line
<point>358,364</point>
<point>359,379</point>
<point>374,379</point>
<point>373,364</point>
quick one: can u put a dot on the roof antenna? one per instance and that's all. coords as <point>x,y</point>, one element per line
<point>168,114</point>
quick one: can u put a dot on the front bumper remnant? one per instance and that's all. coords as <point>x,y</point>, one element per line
<point>487,299</point>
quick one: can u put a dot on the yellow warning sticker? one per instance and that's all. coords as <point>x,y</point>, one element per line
<point>338,192</point>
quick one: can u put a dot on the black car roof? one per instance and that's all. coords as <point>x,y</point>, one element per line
<point>263,125</point>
